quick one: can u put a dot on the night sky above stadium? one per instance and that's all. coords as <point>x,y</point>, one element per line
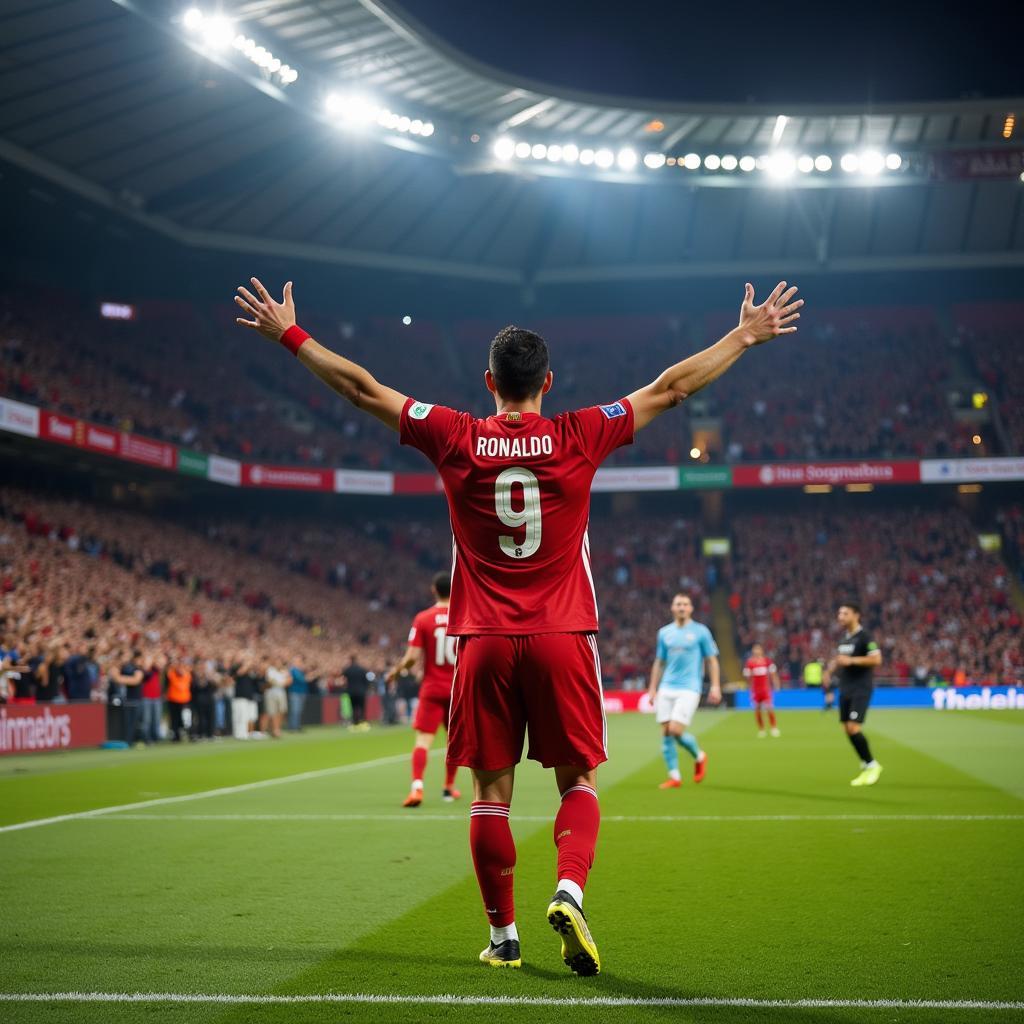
<point>739,51</point>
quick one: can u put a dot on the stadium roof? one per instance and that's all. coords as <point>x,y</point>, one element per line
<point>117,101</point>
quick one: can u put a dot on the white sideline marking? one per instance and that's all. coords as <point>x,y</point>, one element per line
<point>456,1000</point>
<point>416,816</point>
<point>244,787</point>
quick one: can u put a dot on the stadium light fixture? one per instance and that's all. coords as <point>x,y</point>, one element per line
<point>729,163</point>
<point>691,161</point>
<point>805,164</point>
<point>850,163</point>
<point>626,159</point>
<point>504,148</point>
<point>694,452</point>
<point>780,126</point>
<point>761,163</point>
<point>872,162</point>
<point>407,320</point>
<point>781,166</point>
<point>554,153</point>
<point>823,163</point>
<point>654,160</point>
<point>712,161</point>
<point>193,19</point>
<point>604,158</point>
<point>893,161</point>
<point>539,151</point>
<point>522,150</point>
<point>747,163</point>
<point>586,157</point>
<point>1008,125</point>
<point>570,153</point>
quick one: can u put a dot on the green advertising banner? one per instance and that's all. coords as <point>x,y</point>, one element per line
<point>192,463</point>
<point>693,477</point>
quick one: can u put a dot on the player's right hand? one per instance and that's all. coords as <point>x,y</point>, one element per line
<point>776,315</point>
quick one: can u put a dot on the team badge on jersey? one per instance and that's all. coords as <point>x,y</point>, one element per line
<point>419,410</point>
<point>613,411</point>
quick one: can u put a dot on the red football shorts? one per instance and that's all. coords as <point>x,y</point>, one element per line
<point>547,685</point>
<point>759,696</point>
<point>432,712</point>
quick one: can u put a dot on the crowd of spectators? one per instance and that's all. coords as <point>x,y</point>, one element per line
<point>846,389</point>
<point>936,603</point>
<point>104,604</point>
<point>191,377</point>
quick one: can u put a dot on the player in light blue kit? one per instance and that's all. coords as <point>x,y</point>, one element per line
<point>677,678</point>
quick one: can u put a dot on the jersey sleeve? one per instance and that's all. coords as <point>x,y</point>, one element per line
<point>746,668</point>
<point>601,429</point>
<point>416,636</point>
<point>662,648</point>
<point>869,644</point>
<point>429,428</point>
<point>708,647</point>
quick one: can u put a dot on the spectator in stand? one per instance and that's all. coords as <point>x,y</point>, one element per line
<point>275,700</point>
<point>297,692</point>
<point>248,681</point>
<point>203,690</point>
<point>79,675</point>
<point>179,696</point>
<point>357,686</point>
<point>46,669</point>
<point>128,678</point>
<point>151,692</point>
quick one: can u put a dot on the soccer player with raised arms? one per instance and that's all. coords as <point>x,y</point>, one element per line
<point>523,605</point>
<point>684,649</point>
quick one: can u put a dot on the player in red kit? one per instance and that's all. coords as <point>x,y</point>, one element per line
<point>764,681</point>
<point>522,603</point>
<point>429,642</point>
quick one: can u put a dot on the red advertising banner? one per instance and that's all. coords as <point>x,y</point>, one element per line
<point>800,474</point>
<point>418,483</point>
<point>295,478</point>
<point>55,427</point>
<point>31,729</point>
<point>152,453</point>
<point>618,701</point>
<point>95,439</point>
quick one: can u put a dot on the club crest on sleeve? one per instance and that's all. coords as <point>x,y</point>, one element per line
<point>419,410</point>
<point>614,410</point>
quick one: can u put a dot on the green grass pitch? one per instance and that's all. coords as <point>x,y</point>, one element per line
<point>773,880</point>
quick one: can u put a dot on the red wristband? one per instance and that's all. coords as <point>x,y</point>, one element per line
<point>293,338</point>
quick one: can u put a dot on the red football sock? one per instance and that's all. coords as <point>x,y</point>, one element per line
<point>449,775</point>
<point>771,718</point>
<point>494,857</point>
<point>419,763</point>
<point>760,720</point>
<point>576,826</point>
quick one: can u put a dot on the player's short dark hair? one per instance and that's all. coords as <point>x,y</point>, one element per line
<point>683,593</point>
<point>518,361</point>
<point>854,606</point>
<point>443,584</point>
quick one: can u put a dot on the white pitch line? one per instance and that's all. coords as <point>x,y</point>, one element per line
<point>205,794</point>
<point>660,818</point>
<point>457,1000</point>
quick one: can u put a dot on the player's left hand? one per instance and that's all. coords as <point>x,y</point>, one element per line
<point>714,696</point>
<point>270,318</point>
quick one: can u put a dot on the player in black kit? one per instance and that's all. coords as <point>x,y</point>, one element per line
<point>853,669</point>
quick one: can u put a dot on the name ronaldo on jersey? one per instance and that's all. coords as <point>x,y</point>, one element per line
<point>514,447</point>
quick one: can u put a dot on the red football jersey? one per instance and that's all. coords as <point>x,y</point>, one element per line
<point>518,488</point>
<point>430,633</point>
<point>758,671</point>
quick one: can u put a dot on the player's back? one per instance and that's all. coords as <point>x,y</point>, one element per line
<point>430,633</point>
<point>518,487</point>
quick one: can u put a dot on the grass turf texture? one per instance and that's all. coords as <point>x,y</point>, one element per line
<point>326,885</point>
